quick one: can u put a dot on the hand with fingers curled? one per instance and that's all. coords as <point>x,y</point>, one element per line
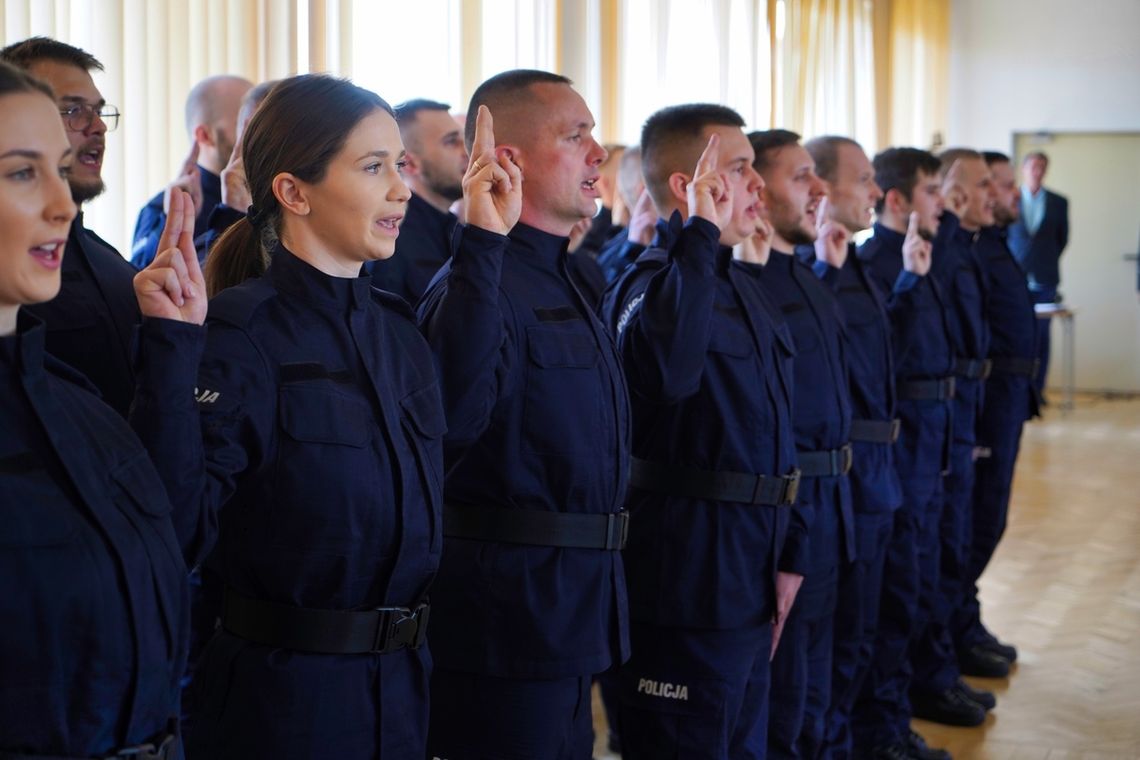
<point>643,220</point>
<point>492,186</point>
<point>757,247</point>
<point>172,287</point>
<point>189,180</point>
<point>787,588</point>
<point>708,193</point>
<point>831,238</point>
<point>916,250</point>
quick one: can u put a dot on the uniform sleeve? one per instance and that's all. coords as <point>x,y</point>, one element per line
<point>148,229</point>
<point>221,218</point>
<point>665,339</point>
<point>204,408</point>
<point>462,318</point>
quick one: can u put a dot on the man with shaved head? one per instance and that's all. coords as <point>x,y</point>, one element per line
<point>530,601</point>
<point>211,121</point>
<point>823,530</point>
<point>708,358</point>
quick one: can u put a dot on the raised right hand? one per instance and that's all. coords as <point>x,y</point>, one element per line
<point>189,180</point>
<point>643,220</point>
<point>492,186</point>
<point>172,286</point>
<point>235,190</point>
<point>708,194</point>
<point>916,250</point>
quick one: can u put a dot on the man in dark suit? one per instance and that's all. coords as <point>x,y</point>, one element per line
<point>1037,240</point>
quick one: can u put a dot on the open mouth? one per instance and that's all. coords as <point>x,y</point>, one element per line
<point>92,157</point>
<point>390,224</point>
<point>590,184</point>
<point>49,254</point>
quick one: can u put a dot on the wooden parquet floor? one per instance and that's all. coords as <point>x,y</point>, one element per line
<point>1065,588</point>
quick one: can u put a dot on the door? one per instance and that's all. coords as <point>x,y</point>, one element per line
<point>1100,175</point>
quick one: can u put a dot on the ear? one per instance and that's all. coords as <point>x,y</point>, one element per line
<point>203,136</point>
<point>290,193</point>
<point>511,153</point>
<point>679,187</point>
<point>894,202</point>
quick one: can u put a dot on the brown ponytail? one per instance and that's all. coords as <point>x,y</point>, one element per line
<point>234,258</point>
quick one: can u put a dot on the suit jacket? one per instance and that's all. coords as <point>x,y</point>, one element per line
<point>1039,254</point>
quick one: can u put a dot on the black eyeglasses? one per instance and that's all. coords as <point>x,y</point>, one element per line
<point>80,116</point>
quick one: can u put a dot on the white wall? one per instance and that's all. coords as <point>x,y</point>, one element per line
<point>1025,65</point>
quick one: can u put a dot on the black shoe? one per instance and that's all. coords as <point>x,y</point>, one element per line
<point>982,663</point>
<point>919,750</point>
<point>951,707</point>
<point>1007,652</point>
<point>899,750</point>
<point>984,698</point>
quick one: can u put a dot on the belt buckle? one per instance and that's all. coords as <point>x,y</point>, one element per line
<point>148,751</point>
<point>399,627</point>
<point>987,368</point>
<point>951,387</point>
<point>846,458</point>
<point>792,486</point>
<point>896,429</point>
<point>615,539</point>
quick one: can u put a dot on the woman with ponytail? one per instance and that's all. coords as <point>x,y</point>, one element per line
<point>297,428</point>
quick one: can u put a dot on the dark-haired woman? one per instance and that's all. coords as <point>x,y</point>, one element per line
<point>93,597</point>
<point>300,431</point>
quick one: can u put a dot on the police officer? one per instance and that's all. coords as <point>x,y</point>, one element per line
<point>937,691</point>
<point>94,597</point>
<point>708,358</point>
<point>898,258</point>
<point>852,195</point>
<point>822,532</point>
<point>317,423</point>
<point>530,602</point>
<point>1010,400</point>
<point>434,166</point>
<point>90,324</point>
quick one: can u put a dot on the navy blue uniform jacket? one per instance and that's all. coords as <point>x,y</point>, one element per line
<point>311,451</point>
<point>538,419</point>
<point>94,598</point>
<point>871,374</point>
<point>1040,253</point>
<point>954,265</point>
<point>152,218</point>
<point>424,244</point>
<point>920,341</point>
<point>822,412</point>
<point>709,364</point>
<point>91,323</point>
<point>1009,307</point>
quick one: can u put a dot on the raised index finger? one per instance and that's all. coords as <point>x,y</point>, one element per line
<point>174,220</point>
<point>484,139</point>
<point>710,158</point>
<point>191,160</point>
<point>912,224</point>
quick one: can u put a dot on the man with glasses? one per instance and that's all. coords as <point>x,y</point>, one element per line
<point>90,322</point>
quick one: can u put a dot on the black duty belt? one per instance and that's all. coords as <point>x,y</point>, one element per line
<point>875,431</point>
<point>927,390</point>
<point>162,747</point>
<point>1015,365</point>
<point>534,528</point>
<point>973,369</point>
<point>821,464</point>
<point>380,630</point>
<point>721,485</point>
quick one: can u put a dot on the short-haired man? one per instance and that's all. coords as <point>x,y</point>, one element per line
<point>1010,400</point>
<point>435,161</point>
<point>898,258</point>
<point>530,599</point>
<point>852,196</point>
<point>638,223</point>
<point>90,324</point>
<point>822,533</point>
<point>211,121</point>
<point>937,692</point>
<point>708,359</point>
<point>1037,238</point>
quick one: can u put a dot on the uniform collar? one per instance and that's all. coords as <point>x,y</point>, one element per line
<point>543,247</point>
<point>24,351</point>
<point>781,260</point>
<point>667,231</point>
<point>290,274</point>
<point>211,183</point>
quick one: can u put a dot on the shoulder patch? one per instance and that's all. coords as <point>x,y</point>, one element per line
<point>237,305</point>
